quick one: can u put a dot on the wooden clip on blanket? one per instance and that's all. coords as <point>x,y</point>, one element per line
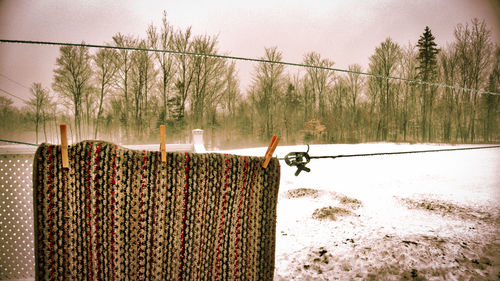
<point>270,151</point>
<point>163,148</point>
<point>64,146</point>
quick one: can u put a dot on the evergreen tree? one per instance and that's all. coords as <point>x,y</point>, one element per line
<point>427,56</point>
<point>427,72</point>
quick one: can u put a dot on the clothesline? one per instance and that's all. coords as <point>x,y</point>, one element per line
<point>301,159</point>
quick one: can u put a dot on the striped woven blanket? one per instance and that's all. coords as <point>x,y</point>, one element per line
<point>120,214</point>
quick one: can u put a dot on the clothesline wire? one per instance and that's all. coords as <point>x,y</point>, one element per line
<point>454,87</point>
<point>399,152</point>
<point>342,155</point>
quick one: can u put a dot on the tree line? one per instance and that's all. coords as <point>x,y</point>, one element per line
<point>124,95</point>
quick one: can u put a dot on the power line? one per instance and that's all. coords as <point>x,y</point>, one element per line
<point>18,142</point>
<point>251,60</point>
<point>14,81</point>
<point>19,98</point>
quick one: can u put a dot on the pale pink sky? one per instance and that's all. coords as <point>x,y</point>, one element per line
<point>346,32</point>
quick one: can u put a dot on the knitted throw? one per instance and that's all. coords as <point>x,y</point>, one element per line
<point>120,214</point>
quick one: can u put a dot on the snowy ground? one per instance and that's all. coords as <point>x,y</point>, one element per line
<point>431,216</point>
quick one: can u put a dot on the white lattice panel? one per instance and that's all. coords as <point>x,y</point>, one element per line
<point>17,260</point>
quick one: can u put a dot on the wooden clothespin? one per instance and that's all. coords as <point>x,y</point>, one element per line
<point>270,150</point>
<point>163,148</point>
<point>64,146</point>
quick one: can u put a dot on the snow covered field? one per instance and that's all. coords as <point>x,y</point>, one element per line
<point>429,216</point>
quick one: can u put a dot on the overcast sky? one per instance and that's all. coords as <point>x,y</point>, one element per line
<point>346,32</point>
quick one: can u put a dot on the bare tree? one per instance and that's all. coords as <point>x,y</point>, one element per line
<point>384,62</point>
<point>163,40</point>
<point>11,117</point>
<point>52,116</point>
<point>291,112</point>
<point>450,99</point>
<point>491,102</point>
<point>123,79</point>
<point>320,79</point>
<point>39,104</point>
<point>338,99</point>
<point>481,52</point>
<point>185,71</point>
<point>408,112</point>
<point>142,76</point>
<point>106,63</point>
<point>208,74</point>
<point>231,94</point>
<point>474,49</point>
<point>231,97</point>
<point>268,85</point>
<point>355,83</point>
<point>88,109</point>
<point>72,79</point>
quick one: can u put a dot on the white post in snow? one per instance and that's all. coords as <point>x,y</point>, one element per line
<point>198,144</point>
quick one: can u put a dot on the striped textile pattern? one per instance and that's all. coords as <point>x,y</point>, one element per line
<point>120,214</point>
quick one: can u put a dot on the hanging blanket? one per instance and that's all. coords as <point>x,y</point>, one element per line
<point>120,214</point>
